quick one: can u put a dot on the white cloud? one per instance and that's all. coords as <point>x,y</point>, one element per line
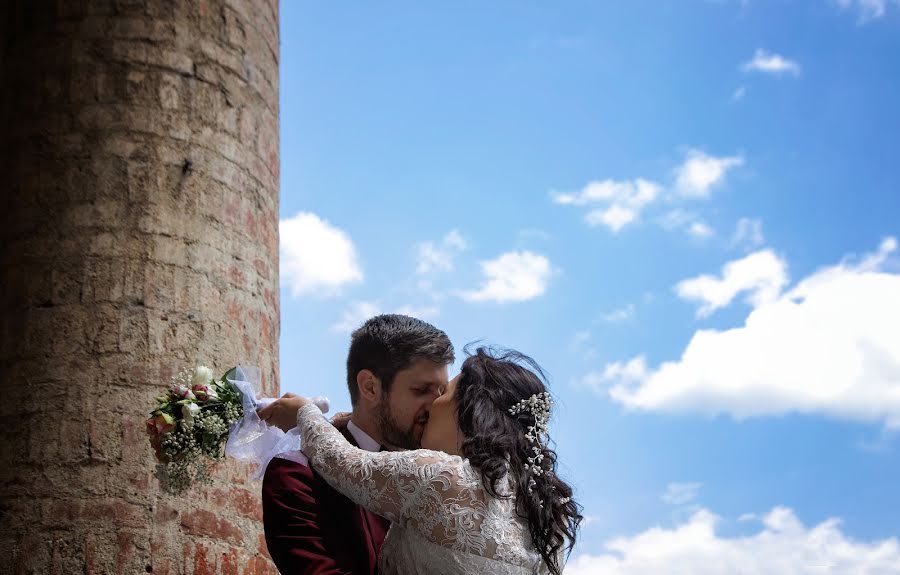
<point>748,233</point>
<point>761,274</point>
<point>621,202</point>
<point>681,493</point>
<point>868,9</point>
<point>783,545</point>
<point>700,230</point>
<point>634,371</point>
<point>739,94</point>
<point>615,217</point>
<point>315,257</point>
<point>359,311</point>
<point>701,172</point>
<point>768,63</point>
<point>828,346</point>
<point>608,191</point>
<point>512,277</point>
<point>439,257</point>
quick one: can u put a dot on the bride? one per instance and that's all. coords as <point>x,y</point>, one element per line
<point>482,496</point>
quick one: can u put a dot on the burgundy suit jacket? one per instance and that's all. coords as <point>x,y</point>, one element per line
<point>311,529</point>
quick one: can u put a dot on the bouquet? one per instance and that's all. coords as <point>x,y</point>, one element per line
<point>200,420</point>
<point>191,424</point>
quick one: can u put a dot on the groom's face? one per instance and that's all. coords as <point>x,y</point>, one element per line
<point>404,410</point>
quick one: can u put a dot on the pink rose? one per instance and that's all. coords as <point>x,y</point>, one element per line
<point>163,423</point>
<point>182,392</point>
<point>204,392</point>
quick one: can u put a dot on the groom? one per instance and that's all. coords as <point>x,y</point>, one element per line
<point>396,367</point>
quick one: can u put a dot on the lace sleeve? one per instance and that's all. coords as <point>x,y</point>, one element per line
<point>430,490</point>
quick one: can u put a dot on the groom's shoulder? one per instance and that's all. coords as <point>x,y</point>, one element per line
<point>292,474</point>
<point>281,468</point>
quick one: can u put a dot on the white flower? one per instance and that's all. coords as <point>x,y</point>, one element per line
<point>202,375</point>
<point>188,411</point>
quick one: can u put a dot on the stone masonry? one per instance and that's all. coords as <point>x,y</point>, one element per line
<point>139,193</point>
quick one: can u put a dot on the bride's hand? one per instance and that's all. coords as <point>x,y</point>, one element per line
<point>282,413</point>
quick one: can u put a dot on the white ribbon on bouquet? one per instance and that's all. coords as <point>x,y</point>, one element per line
<point>252,440</point>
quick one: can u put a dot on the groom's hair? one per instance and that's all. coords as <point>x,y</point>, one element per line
<point>389,343</point>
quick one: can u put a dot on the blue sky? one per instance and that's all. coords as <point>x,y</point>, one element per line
<point>686,211</point>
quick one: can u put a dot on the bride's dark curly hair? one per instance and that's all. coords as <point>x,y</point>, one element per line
<point>490,383</point>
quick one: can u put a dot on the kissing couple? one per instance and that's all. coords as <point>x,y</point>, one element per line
<point>425,475</point>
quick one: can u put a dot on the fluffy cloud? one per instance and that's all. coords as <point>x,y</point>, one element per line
<point>769,63</point>
<point>620,373</point>
<point>827,346</point>
<point>512,277</point>
<point>761,275</point>
<point>438,257</point>
<point>700,173</point>
<point>316,257</point>
<point>620,202</point>
<point>700,230</point>
<point>783,544</point>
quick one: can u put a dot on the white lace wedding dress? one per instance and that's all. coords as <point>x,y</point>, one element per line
<point>442,518</point>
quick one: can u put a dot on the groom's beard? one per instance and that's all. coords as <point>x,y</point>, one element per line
<point>394,435</point>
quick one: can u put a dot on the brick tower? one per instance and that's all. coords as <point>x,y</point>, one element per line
<point>139,172</point>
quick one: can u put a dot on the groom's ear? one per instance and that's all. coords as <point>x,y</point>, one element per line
<point>369,386</point>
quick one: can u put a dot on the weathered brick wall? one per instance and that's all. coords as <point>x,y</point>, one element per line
<point>139,181</point>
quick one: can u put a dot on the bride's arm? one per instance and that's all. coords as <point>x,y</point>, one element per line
<point>395,485</point>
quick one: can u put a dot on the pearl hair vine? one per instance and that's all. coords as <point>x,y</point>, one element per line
<point>538,406</point>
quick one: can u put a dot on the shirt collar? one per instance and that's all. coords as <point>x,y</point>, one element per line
<point>362,438</point>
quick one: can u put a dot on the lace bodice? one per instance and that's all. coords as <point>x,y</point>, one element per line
<point>442,518</point>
